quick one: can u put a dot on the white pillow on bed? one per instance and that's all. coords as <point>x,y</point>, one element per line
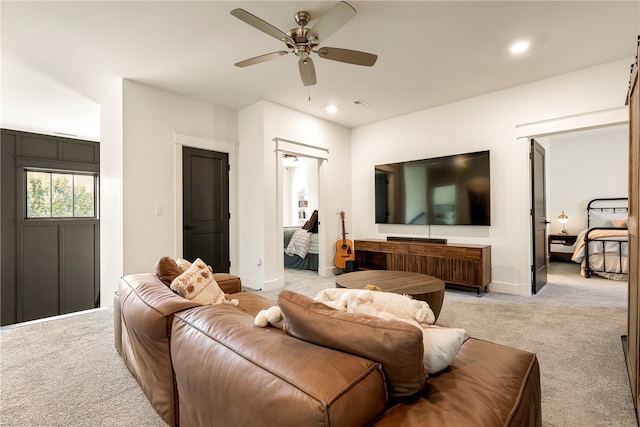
<point>603,219</point>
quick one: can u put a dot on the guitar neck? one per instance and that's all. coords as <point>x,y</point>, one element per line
<point>344,235</point>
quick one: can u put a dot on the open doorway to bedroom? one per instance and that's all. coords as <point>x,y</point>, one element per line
<point>581,166</point>
<point>300,206</point>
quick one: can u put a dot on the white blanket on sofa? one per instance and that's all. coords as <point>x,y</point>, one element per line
<point>440,344</point>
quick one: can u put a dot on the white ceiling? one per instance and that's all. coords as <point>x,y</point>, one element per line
<point>59,59</point>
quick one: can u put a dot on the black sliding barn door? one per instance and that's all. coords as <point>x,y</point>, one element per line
<point>206,207</point>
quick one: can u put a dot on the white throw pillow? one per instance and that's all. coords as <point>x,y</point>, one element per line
<point>440,346</point>
<point>197,284</point>
<point>603,219</point>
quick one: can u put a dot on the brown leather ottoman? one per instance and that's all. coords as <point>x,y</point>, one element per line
<point>420,286</point>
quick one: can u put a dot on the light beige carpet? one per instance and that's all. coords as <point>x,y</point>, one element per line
<point>574,325</point>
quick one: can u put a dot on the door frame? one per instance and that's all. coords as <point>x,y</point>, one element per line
<point>284,146</point>
<point>210,143</point>
<point>573,123</point>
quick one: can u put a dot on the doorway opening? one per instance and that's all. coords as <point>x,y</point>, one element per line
<point>300,212</point>
<point>581,165</point>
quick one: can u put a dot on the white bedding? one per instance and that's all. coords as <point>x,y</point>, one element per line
<point>302,243</point>
<point>606,258</point>
<point>597,246</point>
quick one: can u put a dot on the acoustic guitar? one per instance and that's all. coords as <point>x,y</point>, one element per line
<point>344,249</point>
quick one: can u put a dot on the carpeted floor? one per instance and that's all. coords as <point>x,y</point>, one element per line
<point>66,372</point>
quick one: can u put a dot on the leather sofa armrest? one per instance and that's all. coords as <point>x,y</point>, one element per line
<point>229,283</point>
<point>147,307</point>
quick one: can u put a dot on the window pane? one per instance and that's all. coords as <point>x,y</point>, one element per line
<point>38,194</point>
<point>83,195</point>
<point>61,195</point>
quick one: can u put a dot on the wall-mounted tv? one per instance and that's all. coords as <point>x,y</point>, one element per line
<point>451,190</point>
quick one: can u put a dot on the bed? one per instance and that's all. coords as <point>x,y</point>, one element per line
<point>301,245</point>
<point>300,249</point>
<point>602,249</point>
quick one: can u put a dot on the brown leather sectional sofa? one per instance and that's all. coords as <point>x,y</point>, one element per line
<point>210,366</point>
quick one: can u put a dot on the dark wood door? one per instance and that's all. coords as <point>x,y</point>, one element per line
<point>206,207</point>
<point>539,218</point>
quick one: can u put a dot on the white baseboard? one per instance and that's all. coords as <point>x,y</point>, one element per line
<point>258,285</point>
<point>510,288</point>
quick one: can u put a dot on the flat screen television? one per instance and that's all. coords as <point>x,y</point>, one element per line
<point>451,190</point>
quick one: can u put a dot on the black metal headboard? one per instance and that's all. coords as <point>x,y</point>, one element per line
<point>613,205</point>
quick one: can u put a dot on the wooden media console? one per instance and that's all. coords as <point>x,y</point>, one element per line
<point>460,264</point>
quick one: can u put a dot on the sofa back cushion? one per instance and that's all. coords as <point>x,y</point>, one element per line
<point>395,344</point>
<point>231,373</point>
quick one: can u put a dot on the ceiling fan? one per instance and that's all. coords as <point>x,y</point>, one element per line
<point>303,41</point>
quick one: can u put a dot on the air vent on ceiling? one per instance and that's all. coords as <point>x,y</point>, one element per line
<point>361,103</point>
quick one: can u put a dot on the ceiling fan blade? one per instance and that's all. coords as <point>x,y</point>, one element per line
<point>349,56</point>
<point>261,25</point>
<point>333,20</point>
<point>261,58</point>
<point>307,71</point>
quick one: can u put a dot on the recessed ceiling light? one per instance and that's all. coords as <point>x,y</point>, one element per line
<point>332,109</point>
<point>519,47</point>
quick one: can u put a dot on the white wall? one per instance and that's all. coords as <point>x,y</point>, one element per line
<point>139,164</point>
<point>261,216</point>
<point>585,165</point>
<point>300,184</point>
<point>481,123</point>
<point>111,207</point>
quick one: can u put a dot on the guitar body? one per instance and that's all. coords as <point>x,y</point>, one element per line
<point>344,253</point>
<point>344,249</point>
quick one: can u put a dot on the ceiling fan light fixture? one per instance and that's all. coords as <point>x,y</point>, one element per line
<point>303,41</point>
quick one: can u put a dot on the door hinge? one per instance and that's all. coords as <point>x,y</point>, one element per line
<point>229,215</point>
<point>228,167</point>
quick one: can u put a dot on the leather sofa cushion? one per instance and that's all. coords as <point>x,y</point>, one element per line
<point>231,373</point>
<point>487,384</point>
<point>251,303</point>
<point>395,344</point>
